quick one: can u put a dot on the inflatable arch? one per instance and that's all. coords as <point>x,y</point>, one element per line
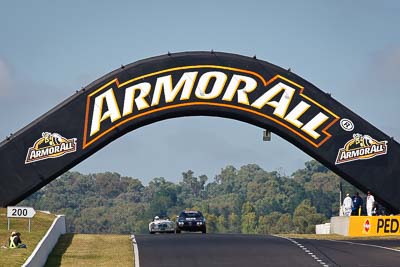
<point>200,84</point>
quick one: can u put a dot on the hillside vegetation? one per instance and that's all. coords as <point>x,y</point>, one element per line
<point>247,200</point>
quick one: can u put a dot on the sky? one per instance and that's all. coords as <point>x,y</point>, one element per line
<point>50,49</point>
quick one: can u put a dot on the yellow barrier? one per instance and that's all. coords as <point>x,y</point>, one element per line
<point>374,225</point>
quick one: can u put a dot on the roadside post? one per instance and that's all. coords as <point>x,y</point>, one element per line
<point>20,212</point>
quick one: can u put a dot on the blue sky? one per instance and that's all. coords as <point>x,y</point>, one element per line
<point>49,49</point>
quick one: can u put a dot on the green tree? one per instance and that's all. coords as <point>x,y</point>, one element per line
<point>305,218</point>
<point>249,220</point>
<point>211,222</point>
<point>249,223</point>
<point>267,224</point>
<point>222,224</point>
<point>248,199</point>
<point>234,224</point>
<point>285,224</point>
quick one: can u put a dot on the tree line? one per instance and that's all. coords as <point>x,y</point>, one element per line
<point>247,200</point>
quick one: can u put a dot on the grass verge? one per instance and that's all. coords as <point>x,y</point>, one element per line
<point>39,226</point>
<point>91,250</point>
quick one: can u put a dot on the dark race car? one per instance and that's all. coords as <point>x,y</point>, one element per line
<point>191,221</point>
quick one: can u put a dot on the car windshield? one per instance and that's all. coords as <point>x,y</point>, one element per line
<point>162,217</point>
<point>191,215</point>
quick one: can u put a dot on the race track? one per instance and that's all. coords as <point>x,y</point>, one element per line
<point>255,250</point>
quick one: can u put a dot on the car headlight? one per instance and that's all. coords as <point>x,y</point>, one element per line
<point>180,223</point>
<point>199,223</point>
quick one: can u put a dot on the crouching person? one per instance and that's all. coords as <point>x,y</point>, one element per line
<point>15,241</point>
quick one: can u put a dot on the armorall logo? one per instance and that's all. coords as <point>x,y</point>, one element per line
<point>361,147</point>
<point>277,99</point>
<point>50,145</point>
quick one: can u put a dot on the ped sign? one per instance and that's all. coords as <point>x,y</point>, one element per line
<point>390,226</point>
<point>20,212</point>
<point>374,225</point>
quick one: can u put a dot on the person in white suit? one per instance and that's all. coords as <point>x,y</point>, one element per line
<point>370,203</point>
<point>347,205</point>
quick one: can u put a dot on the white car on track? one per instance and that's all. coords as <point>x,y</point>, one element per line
<point>161,224</point>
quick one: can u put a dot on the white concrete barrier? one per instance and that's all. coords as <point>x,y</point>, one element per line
<point>323,229</point>
<point>340,225</point>
<point>135,251</point>
<point>39,256</point>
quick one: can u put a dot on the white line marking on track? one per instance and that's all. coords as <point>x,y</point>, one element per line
<point>363,244</point>
<point>305,250</point>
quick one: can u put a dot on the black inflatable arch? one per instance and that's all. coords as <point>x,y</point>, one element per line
<point>200,84</point>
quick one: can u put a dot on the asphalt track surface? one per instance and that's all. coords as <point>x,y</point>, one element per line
<point>214,250</point>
